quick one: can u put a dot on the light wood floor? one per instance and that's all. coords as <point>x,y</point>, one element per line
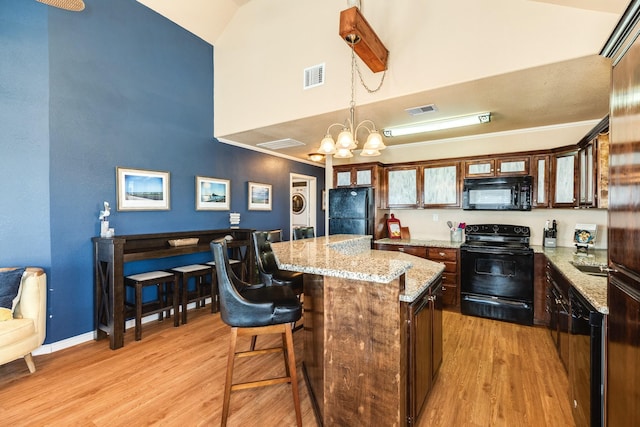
<point>494,374</point>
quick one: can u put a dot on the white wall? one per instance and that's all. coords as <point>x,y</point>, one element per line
<point>260,57</point>
<point>422,225</point>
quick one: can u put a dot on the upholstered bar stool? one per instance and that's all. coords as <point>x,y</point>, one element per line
<point>256,310</point>
<point>303,233</point>
<point>203,287</point>
<point>167,292</point>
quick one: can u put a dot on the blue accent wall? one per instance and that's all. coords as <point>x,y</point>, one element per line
<point>114,85</point>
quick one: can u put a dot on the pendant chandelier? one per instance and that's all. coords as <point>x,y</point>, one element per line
<point>347,139</point>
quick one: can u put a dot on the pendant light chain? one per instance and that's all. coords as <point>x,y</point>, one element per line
<point>355,65</point>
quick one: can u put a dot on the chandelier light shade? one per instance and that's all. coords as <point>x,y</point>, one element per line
<point>72,5</point>
<point>454,122</point>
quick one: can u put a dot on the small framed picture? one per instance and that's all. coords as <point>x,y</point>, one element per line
<point>142,190</point>
<point>213,194</point>
<point>259,197</point>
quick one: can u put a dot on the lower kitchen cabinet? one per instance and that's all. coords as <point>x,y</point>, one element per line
<point>423,320</point>
<point>540,309</point>
<point>450,276</point>
<point>558,308</point>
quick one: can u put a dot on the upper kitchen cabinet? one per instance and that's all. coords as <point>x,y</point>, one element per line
<point>540,173</point>
<point>593,159</point>
<point>500,166</point>
<point>360,175</point>
<point>479,168</point>
<point>403,186</point>
<point>512,166</point>
<point>441,184</point>
<point>564,170</point>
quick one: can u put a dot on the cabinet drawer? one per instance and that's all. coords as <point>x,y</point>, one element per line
<point>450,279</point>
<point>449,267</point>
<point>443,254</point>
<point>411,250</point>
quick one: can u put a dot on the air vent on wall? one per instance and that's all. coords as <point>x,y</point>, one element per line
<point>280,144</point>
<point>313,76</point>
<point>422,109</point>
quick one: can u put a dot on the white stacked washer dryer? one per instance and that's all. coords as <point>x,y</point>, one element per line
<point>300,204</point>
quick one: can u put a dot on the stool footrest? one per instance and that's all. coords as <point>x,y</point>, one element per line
<point>259,352</point>
<point>261,383</point>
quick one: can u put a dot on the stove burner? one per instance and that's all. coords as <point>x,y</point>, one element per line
<point>496,237</point>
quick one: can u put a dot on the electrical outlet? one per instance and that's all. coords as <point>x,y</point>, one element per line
<point>435,218</point>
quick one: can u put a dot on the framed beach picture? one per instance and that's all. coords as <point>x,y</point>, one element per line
<point>213,194</point>
<point>259,197</point>
<point>142,190</point>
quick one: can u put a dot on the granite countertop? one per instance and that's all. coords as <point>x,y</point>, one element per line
<point>351,257</point>
<point>593,288</point>
<point>420,242</point>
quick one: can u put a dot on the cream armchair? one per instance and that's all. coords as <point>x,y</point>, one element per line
<point>25,332</point>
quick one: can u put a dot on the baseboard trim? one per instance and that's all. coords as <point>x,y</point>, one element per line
<point>88,336</point>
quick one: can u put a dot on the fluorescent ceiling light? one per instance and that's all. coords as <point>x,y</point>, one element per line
<point>453,122</point>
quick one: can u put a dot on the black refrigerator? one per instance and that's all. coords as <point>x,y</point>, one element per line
<point>351,211</point>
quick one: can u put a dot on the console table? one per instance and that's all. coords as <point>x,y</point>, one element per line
<point>110,254</point>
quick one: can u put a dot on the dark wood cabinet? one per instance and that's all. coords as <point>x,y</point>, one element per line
<point>540,173</point>
<point>593,163</point>
<point>359,175</point>
<point>450,276</point>
<point>423,319</point>
<point>540,311</point>
<point>509,166</point>
<point>564,185</point>
<point>558,308</point>
<point>441,184</point>
<point>404,186</point>
<point>623,328</point>
<point>497,166</point>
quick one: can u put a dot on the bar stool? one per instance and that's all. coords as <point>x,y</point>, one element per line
<point>256,309</point>
<point>303,233</point>
<point>203,289</point>
<point>166,286</point>
<point>236,265</point>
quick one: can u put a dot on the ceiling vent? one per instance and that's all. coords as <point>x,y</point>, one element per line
<point>415,111</point>
<point>313,76</point>
<point>280,144</point>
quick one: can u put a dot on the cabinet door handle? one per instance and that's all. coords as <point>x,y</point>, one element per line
<point>442,254</point>
<point>444,289</point>
<point>400,249</point>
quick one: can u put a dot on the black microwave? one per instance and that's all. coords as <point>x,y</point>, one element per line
<point>512,193</point>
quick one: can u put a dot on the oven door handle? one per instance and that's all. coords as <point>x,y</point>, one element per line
<point>494,251</point>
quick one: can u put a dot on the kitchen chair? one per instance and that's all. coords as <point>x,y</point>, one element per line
<point>255,310</point>
<point>303,233</point>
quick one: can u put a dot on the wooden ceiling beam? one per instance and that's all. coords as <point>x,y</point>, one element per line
<point>368,47</point>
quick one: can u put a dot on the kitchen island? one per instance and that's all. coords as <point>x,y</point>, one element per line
<point>372,328</point>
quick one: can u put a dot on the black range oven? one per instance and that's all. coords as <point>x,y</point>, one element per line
<point>497,273</point>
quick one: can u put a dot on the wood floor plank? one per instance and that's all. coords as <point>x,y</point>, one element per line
<point>493,374</point>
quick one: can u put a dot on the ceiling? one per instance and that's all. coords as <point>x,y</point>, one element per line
<point>565,92</point>
<point>575,90</point>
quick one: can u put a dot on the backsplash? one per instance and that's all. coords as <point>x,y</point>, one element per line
<point>432,223</point>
